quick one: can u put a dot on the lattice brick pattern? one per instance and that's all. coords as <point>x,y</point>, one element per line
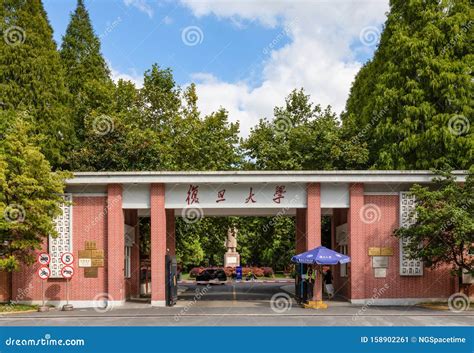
<point>63,243</point>
<point>408,267</point>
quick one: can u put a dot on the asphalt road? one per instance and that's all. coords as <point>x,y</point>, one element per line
<point>241,304</point>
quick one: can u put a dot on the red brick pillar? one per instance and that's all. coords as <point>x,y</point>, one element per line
<point>356,244</point>
<point>115,243</point>
<point>158,244</point>
<point>300,229</point>
<point>170,233</point>
<point>313,228</point>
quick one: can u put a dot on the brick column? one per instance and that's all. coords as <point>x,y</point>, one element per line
<point>356,243</point>
<point>158,244</point>
<point>115,243</point>
<point>300,230</point>
<point>313,228</point>
<point>170,233</point>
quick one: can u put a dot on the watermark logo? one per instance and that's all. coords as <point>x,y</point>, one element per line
<point>283,124</point>
<point>192,214</point>
<point>458,125</point>
<point>103,302</point>
<point>281,302</point>
<point>370,213</point>
<point>199,293</point>
<point>14,213</point>
<point>458,302</point>
<point>192,35</point>
<point>369,35</point>
<point>14,36</point>
<point>103,124</point>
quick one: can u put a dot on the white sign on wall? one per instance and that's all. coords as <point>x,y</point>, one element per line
<point>259,195</point>
<point>408,267</point>
<point>63,242</point>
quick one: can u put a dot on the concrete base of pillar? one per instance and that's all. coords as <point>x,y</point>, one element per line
<point>160,303</point>
<point>315,304</point>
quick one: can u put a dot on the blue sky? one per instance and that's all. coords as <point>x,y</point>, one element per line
<point>244,55</point>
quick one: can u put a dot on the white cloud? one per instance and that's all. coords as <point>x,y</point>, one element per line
<point>321,56</point>
<point>141,5</point>
<point>132,76</point>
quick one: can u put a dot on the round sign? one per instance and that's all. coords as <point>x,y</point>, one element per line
<point>44,258</point>
<point>44,272</point>
<point>67,258</point>
<point>67,272</point>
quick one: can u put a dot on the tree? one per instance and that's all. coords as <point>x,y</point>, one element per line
<point>32,77</point>
<point>412,103</point>
<point>301,136</point>
<point>30,194</point>
<point>87,74</point>
<point>443,224</point>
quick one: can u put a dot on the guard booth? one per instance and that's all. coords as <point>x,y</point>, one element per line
<point>171,280</point>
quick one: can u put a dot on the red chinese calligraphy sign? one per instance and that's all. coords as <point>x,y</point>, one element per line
<point>278,195</point>
<point>192,195</point>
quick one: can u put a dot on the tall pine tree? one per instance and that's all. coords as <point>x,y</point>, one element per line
<point>32,77</point>
<point>88,76</point>
<point>412,103</point>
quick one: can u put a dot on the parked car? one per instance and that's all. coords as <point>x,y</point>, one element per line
<point>212,275</point>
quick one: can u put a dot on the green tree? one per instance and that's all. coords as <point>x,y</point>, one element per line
<point>87,74</point>
<point>301,136</point>
<point>32,77</point>
<point>412,103</point>
<point>443,230</point>
<point>30,194</point>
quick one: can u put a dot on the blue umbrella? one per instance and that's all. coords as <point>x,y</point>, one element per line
<point>321,256</point>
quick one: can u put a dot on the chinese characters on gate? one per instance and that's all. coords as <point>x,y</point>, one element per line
<point>192,195</point>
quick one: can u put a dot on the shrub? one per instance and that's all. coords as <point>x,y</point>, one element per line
<point>268,272</point>
<point>257,271</point>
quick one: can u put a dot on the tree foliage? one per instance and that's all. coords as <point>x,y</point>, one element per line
<point>29,194</point>
<point>444,223</point>
<point>302,136</point>
<point>32,77</point>
<point>412,103</point>
<point>87,75</point>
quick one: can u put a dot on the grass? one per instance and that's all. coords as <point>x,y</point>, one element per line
<point>9,308</point>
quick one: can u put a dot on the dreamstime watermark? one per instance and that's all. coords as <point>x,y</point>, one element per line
<point>14,36</point>
<point>192,35</point>
<point>192,214</point>
<point>378,292</point>
<point>199,293</point>
<point>458,302</point>
<point>369,35</point>
<point>285,32</point>
<point>464,29</point>
<point>103,124</point>
<point>281,302</point>
<point>283,124</point>
<point>103,302</point>
<point>115,200</point>
<point>281,213</point>
<point>47,341</point>
<point>109,29</point>
<point>14,213</point>
<point>22,293</point>
<point>376,116</point>
<point>370,213</point>
<point>458,125</point>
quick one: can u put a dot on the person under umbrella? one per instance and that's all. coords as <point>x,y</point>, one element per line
<point>317,257</point>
